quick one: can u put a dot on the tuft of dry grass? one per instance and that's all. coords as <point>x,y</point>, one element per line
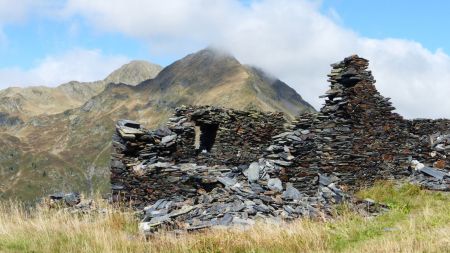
<point>419,221</point>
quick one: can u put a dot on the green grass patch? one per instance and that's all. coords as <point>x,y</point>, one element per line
<point>405,202</point>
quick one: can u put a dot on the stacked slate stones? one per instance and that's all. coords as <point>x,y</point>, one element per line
<point>295,151</point>
<point>355,137</point>
<point>138,161</point>
<point>361,130</point>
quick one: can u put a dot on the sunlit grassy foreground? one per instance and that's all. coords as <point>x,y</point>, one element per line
<point>419,221</point>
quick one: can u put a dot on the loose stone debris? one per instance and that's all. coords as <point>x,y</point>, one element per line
<point>217,167</point>
<point>239,198</point>
<point>64,199</point>
<point>72,202</point>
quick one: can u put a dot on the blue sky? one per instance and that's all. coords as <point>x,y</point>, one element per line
<point>423,21</point>
<point>50,42</point>
<point>29,41</point>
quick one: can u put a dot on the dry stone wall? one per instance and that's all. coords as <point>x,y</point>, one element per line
<point>356,136</point>
<point>223,136</point>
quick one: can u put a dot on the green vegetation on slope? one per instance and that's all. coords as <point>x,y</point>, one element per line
<point>419,221</point>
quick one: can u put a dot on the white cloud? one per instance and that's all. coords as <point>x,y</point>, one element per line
<point>291,39</point>
<point>11,11</point>
<point>77,64</point>
<point>16,11</point>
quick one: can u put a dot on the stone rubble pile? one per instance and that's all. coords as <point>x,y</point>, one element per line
<point>430,159</point>
<point>432,141</point>
<point>67,199</point>
<point>240,196</point>
<point>428,177</point>
<point>434,151</point>
<point>72,202</point>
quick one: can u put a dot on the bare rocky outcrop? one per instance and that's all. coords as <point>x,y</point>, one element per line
<point>7,120</point>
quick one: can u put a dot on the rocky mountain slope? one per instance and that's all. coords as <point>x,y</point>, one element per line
<point>213,77</point>
<point>71,149</point>
<point>23,103</point>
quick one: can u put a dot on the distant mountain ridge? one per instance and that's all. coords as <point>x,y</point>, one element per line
<point>133,73</point>
<point>70,149</point>
<point>36,100</point>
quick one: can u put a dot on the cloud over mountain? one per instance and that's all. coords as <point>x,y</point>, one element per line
<point>78,64</point>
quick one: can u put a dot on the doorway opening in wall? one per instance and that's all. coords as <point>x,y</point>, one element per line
<point>205,136</point>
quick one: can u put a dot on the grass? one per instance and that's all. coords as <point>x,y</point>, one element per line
<point>419,221</point>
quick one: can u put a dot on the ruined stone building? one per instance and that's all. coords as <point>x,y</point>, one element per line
<point>354,139</point>
<point>202,135</point>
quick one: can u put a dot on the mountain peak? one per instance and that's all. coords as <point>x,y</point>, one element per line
<point>134,73</point>
<point>214,51</point>
<point>213,54</point>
